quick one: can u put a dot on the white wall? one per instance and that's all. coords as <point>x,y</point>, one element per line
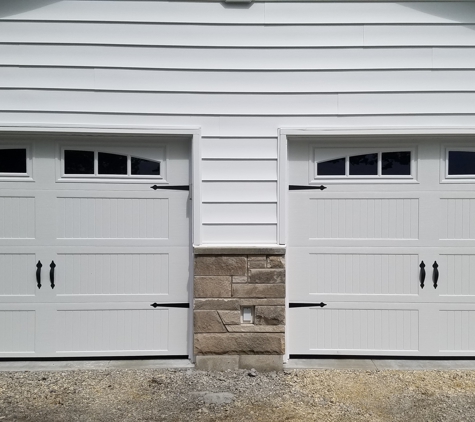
<point>240,73</point>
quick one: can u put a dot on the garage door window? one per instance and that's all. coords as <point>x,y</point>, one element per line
<point>461,163</point>
<point>13,162</point>
<point>97,164</point>
<point>372,165</point>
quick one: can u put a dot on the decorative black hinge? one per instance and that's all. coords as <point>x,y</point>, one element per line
<point>306,305</point>
<point>170,305</point>
<point>166,187</point>
<point>302,187</point>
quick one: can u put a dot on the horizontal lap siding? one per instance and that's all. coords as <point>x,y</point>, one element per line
<point>239,73</point>
<point>239,182</point>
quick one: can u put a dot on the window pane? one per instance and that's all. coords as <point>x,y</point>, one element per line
<point>112,163</point>
<point>13,160</point>
<point>331,168</point>
<point>78,162</point>
<point>364,165</point>
<point>145,167</point>
<point>461,162</point>
<point>396,163</point>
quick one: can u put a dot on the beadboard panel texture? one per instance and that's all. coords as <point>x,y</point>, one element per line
<point>239,73</point>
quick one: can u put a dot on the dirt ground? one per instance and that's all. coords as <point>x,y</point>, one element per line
<point>190,395</point>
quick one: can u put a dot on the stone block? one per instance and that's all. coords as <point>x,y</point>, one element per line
<point>217,304</point>
<point>240,279</point>
<point>239,344</point>
<point>217,363</point>
<point>212,286</point>
<point>230,317</point>
<point>256,257</point>
<point>220,265</point>
<point>259,290</point>
<point>256,263</point>
<point>270,315</point>
<point>262,363</point>
<point>208,322</point>
<point>275,261</point>
<point>251,328</point>
<point>262,302</point>
<point>267,276</point>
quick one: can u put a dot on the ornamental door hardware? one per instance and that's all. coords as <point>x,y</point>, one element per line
<point>166,187</point>
<point>38,274</point>
<point>39,265</point>
<point>306,305</point>
<point>422,274</point>
<point>305,187</point>
<point>51,273</point>
<point>170,305</point>
<point>435,274</point>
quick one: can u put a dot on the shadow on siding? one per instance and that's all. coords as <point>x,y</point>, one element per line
<point>10,8</point>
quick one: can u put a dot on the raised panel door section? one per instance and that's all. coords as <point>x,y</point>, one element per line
<point>355,329</point>
<point>17,217</point>
<point>130,329</point>
<point>17,331</point>
<point>17,274</point>
<point>456,329</point>
<point>457,274</point>
<point>458,218</point>
<point>364,218</point>
<point>113,218</point>
<point>363,273</point>
<point>113,274</point>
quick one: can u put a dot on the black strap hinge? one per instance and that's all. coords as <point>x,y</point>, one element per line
<point>170,305</point>
<point>306,305</point>
<point>306,187</point>
<point>166,187</point>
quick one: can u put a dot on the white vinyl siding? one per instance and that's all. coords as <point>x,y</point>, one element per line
<point>240,74</point>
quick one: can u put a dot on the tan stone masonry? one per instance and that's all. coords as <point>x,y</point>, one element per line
<point>223,284</point>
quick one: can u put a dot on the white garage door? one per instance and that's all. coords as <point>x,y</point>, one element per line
<point>86,247</point>
<point>356,248</point>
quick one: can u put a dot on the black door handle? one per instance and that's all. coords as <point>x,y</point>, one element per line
<point>422,274</point>
<point>51,273</point>
<point>435,274</point>
<point>38,274</point>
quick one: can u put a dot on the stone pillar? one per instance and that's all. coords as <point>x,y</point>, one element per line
<point>225,281</point>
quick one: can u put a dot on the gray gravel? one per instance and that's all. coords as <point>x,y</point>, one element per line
<point>190,395</point>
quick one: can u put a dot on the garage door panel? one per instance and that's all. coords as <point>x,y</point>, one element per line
<point>17,217</point>
<point>364,273</point>
<point>457,274</point>
<point>157,274</point>
<point>18,274</point>
<point>355,329</point>
<point>134,329</point>
<point>456,328</point>
<point>17,331</point>
<point>113,218</point>
<point>364,218</point>
<point>457,218</point>
<point>113,274</point>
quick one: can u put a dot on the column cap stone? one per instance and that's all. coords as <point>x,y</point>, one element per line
<point>239,250</point>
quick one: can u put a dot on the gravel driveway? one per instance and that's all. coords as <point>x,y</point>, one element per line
<point>190,395</point>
